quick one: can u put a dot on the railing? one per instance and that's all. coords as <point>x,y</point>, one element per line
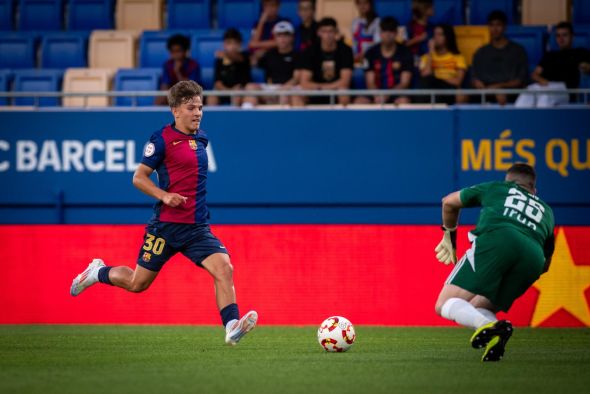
<point>582,95</point>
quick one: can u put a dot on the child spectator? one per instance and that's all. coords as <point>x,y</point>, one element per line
<point>501,64</point>
<point>365,29</point>
<point>443,67</point>
<point>232,68</point>
<point>306,33</point>
<point>326,66</point>
<point>389,65</point>
<point>420,30</point>
<point>262,39</point>
<point>180,67</point>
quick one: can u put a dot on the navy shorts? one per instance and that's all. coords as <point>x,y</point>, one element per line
<point>163,240</point>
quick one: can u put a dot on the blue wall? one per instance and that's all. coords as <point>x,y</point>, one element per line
<point>338,166</point>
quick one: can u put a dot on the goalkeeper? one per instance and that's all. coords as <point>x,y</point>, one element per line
<point>511,247</point>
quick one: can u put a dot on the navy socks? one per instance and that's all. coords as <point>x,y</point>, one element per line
<point>103,275</point>
<point>228,313</point>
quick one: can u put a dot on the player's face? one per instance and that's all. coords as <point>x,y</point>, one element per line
<point>284,40</point>
<point>563,38</point>
<point>497,29</point>
<point>188,115</point>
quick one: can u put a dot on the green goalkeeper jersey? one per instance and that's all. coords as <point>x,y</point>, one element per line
<point>507,205</point>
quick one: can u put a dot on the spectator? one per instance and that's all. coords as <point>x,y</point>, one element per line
<point>389,65</point>
<point>278,65</point>
<point>232,68</point>
<point>326,66</point>
<point>180,67</point>
<point>365,29</point>
<point>262,39</point>
<point>443,67</point>
<point>420,30</point>
<point>306,33</point>
<point>558,70</point>
<point>501,64</point>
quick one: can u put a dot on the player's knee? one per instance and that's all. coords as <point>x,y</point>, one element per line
<point>224,270</point>
<point>438,308</point>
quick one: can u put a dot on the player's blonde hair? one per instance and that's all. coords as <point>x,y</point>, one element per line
<point>182,92</point>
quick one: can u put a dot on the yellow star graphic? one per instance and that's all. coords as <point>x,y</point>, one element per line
<point>563,286</point>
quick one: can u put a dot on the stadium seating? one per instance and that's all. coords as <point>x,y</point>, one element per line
<point>18,50</point>
<point>451,12</point>
<point>204,44</point>
<point>470,39</point>
<point>480,9</point>
<point>581,37</point>
<point>400,9</point>
<point>289,10</point>
<point>5,80</point>
<point>358,78</point>
<point>64,50</point>
<point>543,12</point>
<point>40,14</point>
<point>344,11</point>
<point>207,74</point>
<point>139,14</point>
<point>581,12</point>
<point>532,38</point>
<point>257,75</point>
<point>87,80</point>
<point>241,14</point>
<point>189,14</point>
<point>37,81</point>
<point>152,48</point>
<point>140,79</point>
<point>6,14</point>
<point>90,14</point>
<point>112,49</point>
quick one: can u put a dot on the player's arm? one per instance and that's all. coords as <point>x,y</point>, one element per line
<point>446,250</point>
<point>142,181</point>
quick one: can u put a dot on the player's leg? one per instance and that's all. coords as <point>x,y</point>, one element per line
<point>128,279</point>
<point>454,304</point>
<point>485,307</point>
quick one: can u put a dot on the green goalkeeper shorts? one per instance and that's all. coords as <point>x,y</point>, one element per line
<point>501,265</point>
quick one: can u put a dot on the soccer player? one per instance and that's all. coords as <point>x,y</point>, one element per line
<point>511,247</point>
<point>178,154</point>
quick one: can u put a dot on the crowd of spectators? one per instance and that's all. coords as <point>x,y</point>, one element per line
<point>314,55</point>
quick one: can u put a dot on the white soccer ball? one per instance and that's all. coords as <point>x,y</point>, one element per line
<point>336,334</point>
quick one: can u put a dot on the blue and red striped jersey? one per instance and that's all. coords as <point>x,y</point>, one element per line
<point>181,162</point>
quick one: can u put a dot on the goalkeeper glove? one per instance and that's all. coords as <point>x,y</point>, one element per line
<point>446,250</point>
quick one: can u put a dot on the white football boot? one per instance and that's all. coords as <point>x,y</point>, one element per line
<point>86,278</point>
<point>236,330</point>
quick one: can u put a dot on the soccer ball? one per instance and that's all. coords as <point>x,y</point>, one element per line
<point>336,334</point>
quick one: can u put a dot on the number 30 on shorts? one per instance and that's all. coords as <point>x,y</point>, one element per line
<point>153,244</point>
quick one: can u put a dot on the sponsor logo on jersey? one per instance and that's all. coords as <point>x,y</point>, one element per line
<point>193,144</point>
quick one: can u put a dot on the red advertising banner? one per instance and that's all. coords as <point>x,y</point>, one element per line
<point>291,274</point>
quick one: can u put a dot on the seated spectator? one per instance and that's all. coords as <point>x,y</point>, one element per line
<point>419,29</point>
<point>501,64</point>
<point>558,70</point>
<point>262,39</point>
<point>232,68</point>
<point>306,33</point>
<point>365,29</point>
<point>388,66</point>
<point>180,67</point>
<point>326,66</point>
<point>278,65</point>
<point>443,67</point>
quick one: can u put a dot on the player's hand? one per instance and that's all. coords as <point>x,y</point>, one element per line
<point>446,250</point>
<point>173,199</point>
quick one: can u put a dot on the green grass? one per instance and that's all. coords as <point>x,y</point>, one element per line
<point>170,359</point>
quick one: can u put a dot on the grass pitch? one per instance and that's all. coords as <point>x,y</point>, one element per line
<point>170,359</point>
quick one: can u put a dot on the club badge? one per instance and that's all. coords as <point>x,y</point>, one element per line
<point>193,144</point>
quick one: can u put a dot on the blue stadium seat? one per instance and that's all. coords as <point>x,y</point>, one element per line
<point>18,50</point>
<point>241,14</point>
<point>90,14</point>
<point>152,48</point>
<point>581,12</point>
<point>400,9</point>
<point>480,9</point>
<point>257,75</point>
<point>289,10</point>
<point>63,50</point>
<point>207,74</point>
<point>136,79</point>
<point>581,38</point>
<point>204,44</point>
<point>451,12</point>
<point>40,14</point>
<point>6,14</point>
<point>358,78</point>
<point>188,14</point>
<point>5,79</point>
<point>37,81</point>
<point>532,38</point>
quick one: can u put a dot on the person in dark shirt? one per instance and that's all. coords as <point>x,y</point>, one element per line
<point>279,67</point>
<point>232,68</point>
<point>306,33</point>
<point>180,67</point>
<point>262,38</point>
<point>388,65</point>
<point>327,65</point>
<point>501,64</point>
<point>420,29</point>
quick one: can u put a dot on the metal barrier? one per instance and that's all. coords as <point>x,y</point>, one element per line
<point>583,95</point>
